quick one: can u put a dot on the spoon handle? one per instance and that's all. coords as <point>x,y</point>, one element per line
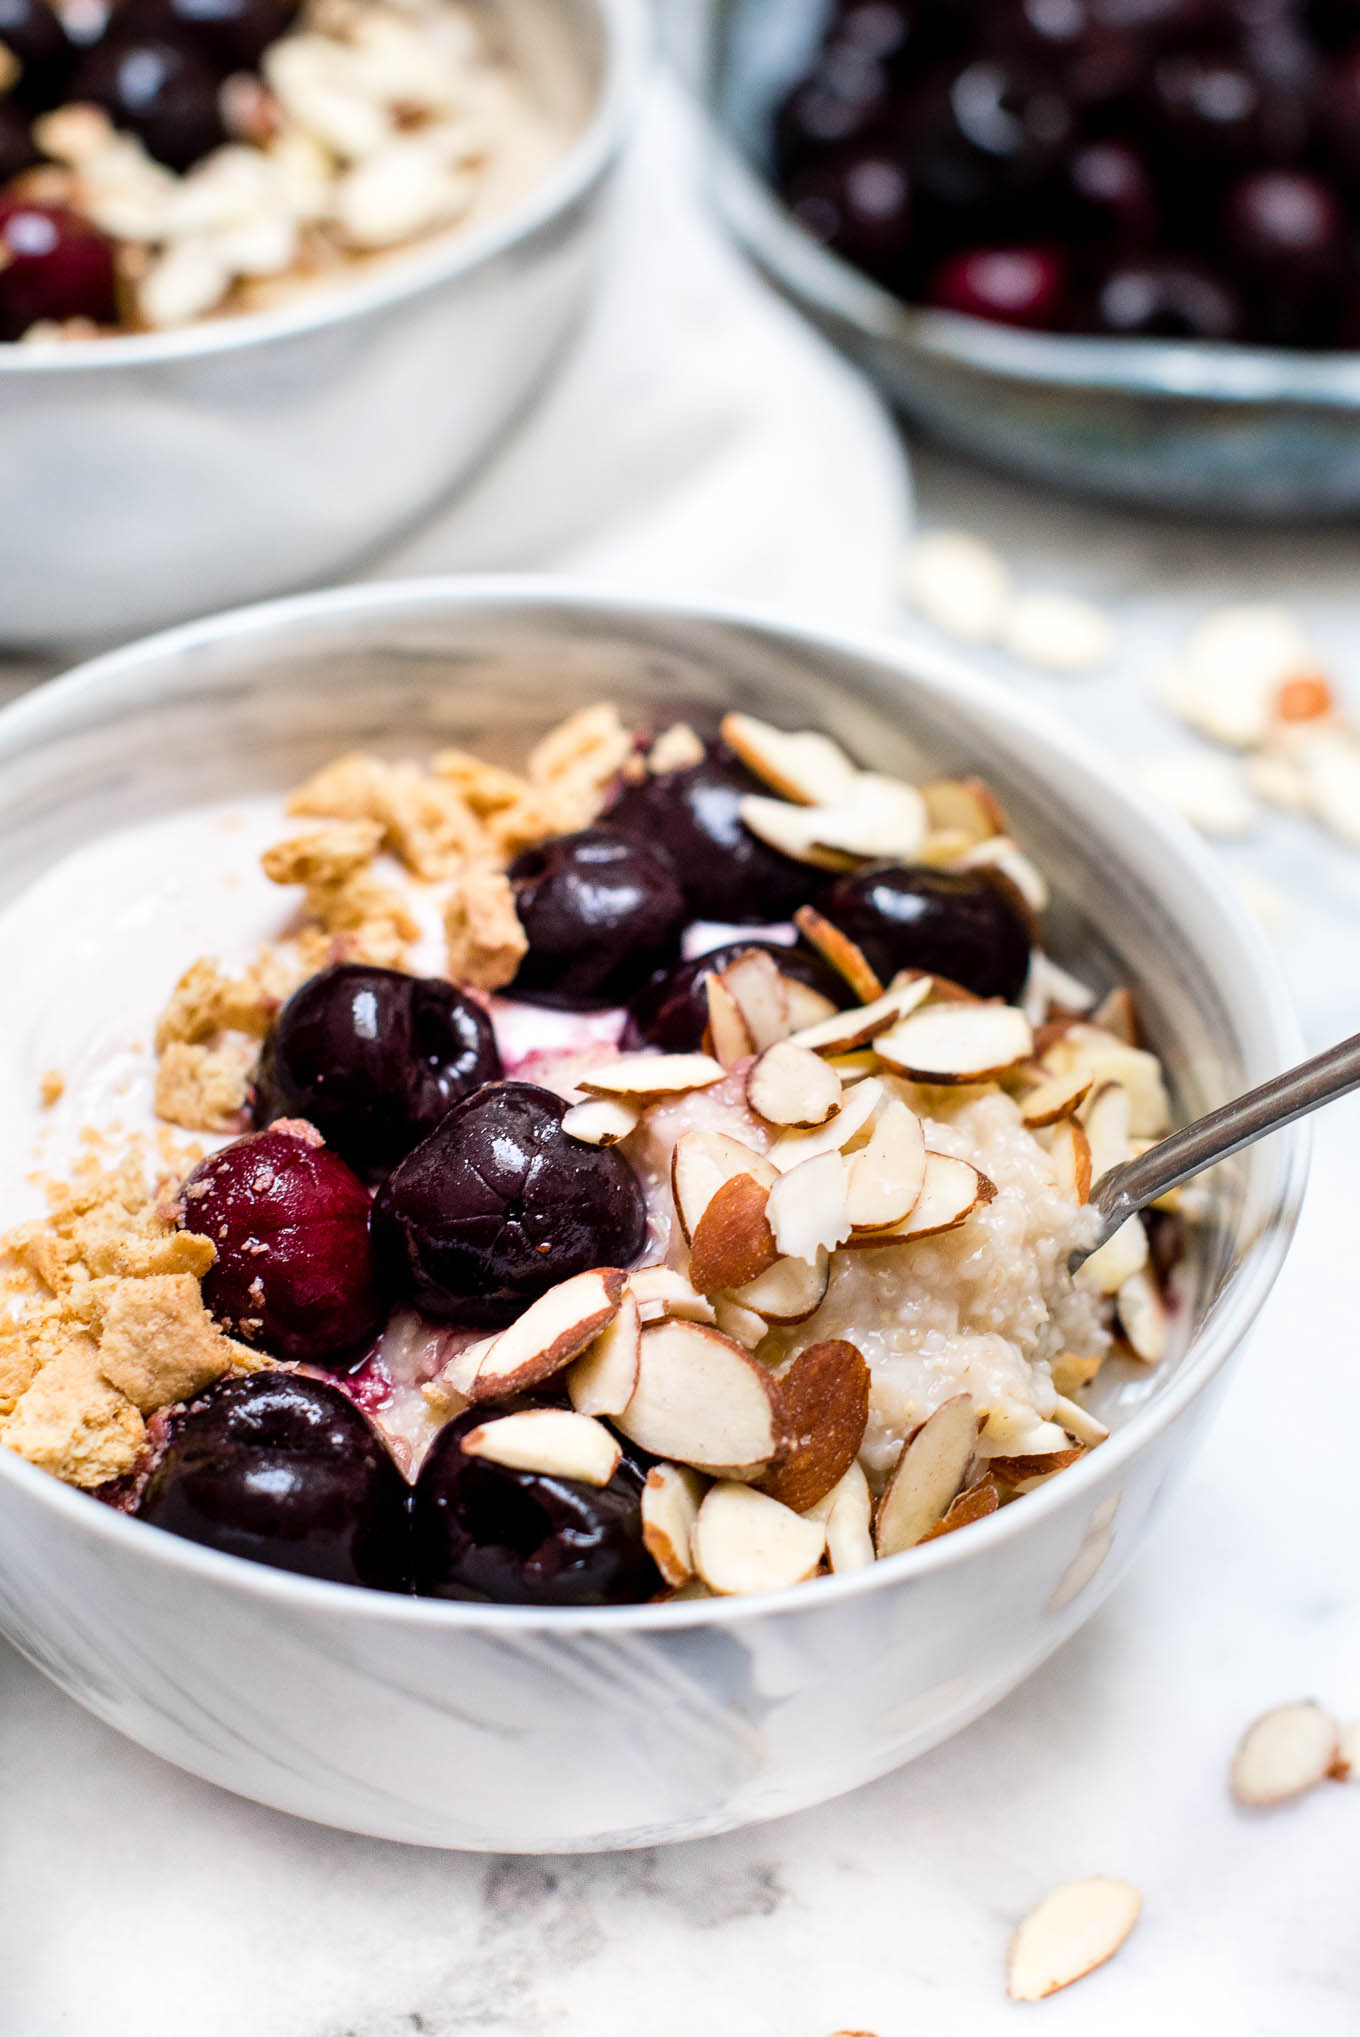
<point>1122,1191</point>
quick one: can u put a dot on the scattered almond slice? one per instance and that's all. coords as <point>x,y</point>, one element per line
<point>1117,1015</point>
<point>1072,1371</point>
<point>790,1292</point>
<point>1023,1472</point>
<point>807,1209</point>
<point>927,1476</point>
<point>603,1379</point>
<point>1013,1427</point>
<point>759,991</point>
<point>966,806</point>
<point>1069,1150</point>
<point>661,1291</point>
<point>649,1075</point>
<point>1060,987</point>
<point>670,1507</point>
<point>858,1104</point>
<point>1283,1754</point>
<point>733,1241</point>
<point>702,1400</point>
<point>951,1190</point>
<point>1142,1317</point>
<point>882,819</point>
<point>554,1441</point>
<point>884,1180</point>
<point>743,1325</point>
<point>849,1529</point>
<point>1107,1059</point>
<point>845,957</point>
<point>960,583</point>
<point>852,1485</point>
<point>846,1030</point>
<point>791,1086</point>
<point>807,1007</point>
<point>824,1411</point>
<point>1079,1422</point>
<point>552,1331</point>
<point>601,1121</point>
<point>1106,1118</point>
<point>957,1043</point>
<point>700,1163</point>
<point>793,831</point>
<point>1058,1096</point>
<point>727,1036</point>
<point>745,1542</point>
<point>974,1503</point>
<point>1117,1261</point>
<point>1000,855</point>
<point>809,768</point>
<point>1071,1932</point>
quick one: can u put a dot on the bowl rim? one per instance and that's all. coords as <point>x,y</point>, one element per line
<point>53,707</point>
<point>1170,370</point>
<point>627,42</point>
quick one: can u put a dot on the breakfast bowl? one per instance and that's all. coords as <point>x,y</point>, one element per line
<point>526,1728</point>
<point>1229,429</point>
<point>158,474</point>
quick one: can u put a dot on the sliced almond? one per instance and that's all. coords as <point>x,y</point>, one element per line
<point>1058,988</point>
<point>726,1036</point>
<point>824,1411</point>
<point>790,1292</point>
<point>670,1507</point>
<point>883,819</point>
<point>1117,1260</point>
<point>1079,1422</point>
<point>1283,1754</point>
<point>884,1180</point>
<point>1022,1472</point>
<point>927,1476</point>
<point>661,1291</point>
<point>743,1325</point>
<point>1069,1151</point>
<point>553,1441</point>
<point>858,1104</point>
<point>849,1528</point>
<point>808,768</point>
<point>604,1378</point>
<point>1013,1428</point>
<point>732,1241</point>
<point>846,1030</point>
<point>974,1503</point>
<point>792,830</point>
<point>966,805</point>
<point>1069,1934</point>
<point>1107,1059</point>
<point>1073,1370</point>
<point>601,1121</point>
<point>700,1163</point>
<point>957,1043</point>
<point>942,848</point>
<point>1003,859</point>
<point>807,1007</point>
<point>950,1191</point>
<point>1106,1118</point>
<point>1118,1014</point>
<point>807,1208</point>
<point>1057,1096</point>
<point>650,1075</point>
<point>788,1085</point>
<point>1142,1316</point>
<point>745,1542</point>
<point>840,951</point>
<point>552,1331</point>
<point>758,990</point>
<point>702,1400</point>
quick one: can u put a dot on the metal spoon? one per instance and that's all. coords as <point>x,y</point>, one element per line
<point>1122,1191</point>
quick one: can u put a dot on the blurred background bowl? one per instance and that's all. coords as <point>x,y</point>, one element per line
<point>154,477</point>
<point>1232,431</point>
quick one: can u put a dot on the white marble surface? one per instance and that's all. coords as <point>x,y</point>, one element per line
<point>133,1898</point>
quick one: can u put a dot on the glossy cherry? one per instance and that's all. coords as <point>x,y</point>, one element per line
<point>1167,297</point>
<point>374,1058</point>
<point>284,1470</point>
<point>1011,286</point>
<point>159,90</point>
<point>1113,201</point>
<point>482,1531</point>
<point>231,35</point>
<point>499,1204</point>
<point>841,102</point>
<point>860,205</point>
<point>52,265</point>
<point>293,1273</point>
<point>963,925</point>
<point>671,1012</point>
<point>601,911</point>
<point>993,130</point>
<point>1286,225</point>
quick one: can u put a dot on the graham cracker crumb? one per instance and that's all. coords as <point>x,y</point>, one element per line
<point>159,1344</point>
<point>52,1088</point>
<point>423,820</point>
<point>70,1421</point>
<point>675,749</point>
<point>578,762</point>
<point>205,1089</point>
<point>360,918</point>
<point>486,941</point>
<point>206,1002</point>
<point>326,857</point>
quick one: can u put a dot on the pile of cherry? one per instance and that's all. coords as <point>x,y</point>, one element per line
<point>395,1168</point>
<point>157,68</point>
<point>1136,168</point>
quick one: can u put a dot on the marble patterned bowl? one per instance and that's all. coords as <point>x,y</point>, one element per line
<point>526,1730</point>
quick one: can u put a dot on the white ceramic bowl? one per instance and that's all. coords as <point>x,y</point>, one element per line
<point>159,476</point>
<point>530,1730</point>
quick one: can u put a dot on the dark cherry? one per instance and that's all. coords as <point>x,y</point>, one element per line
<point>293,1272</point>
<point>1206,106</point>
<point>1113,199</point>
<point>374,1058</point>
<point>1341,112</point>
<point>842,100</point>
<point>671,1012</point>
<point>1096,64</point>
<point>1286,226</point>
<point>32,32</point>
<point>285,1470</point>
<point>691,818</point>
<point>994,129</point>
<point>860,205</point>
<point>232,35</point>
<point>961,925</point>
<point>1011,286</point>
<point>482,1531</point>
<point>17,151</point>
<point>52,265</point>
<point>160,91</point>
<point>1167,297</point>
<point>601,911</point>
<point>499,1204</point>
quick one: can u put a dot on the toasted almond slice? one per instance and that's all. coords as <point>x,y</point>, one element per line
<point>885,1179</point>
<point>808,767</point>
<point>1059,989</point>
<point>1069,1934</point>
<point>824,1411</point>
<point>954,1043</point>
<point>1022,1472</point>
<point>732,1241</point>
<point>942,848</point>
<point>454,1380</point>
<point>882,819</point>
<point>807,1208</point>
<point>858,1104</point>
<point>1106,1118</point>
<point>967,805</point>
<point>846,1030</point>
<point>1069,1151</point>
<point>702,1400</point>
<point>554,1441</point>
<point>788,1085</point>
<point>1072,1371</point>
<point>670,1507</point>
<point>1283,1754</point>
<point>927,1476</point>
<point>758,990</point>
<point>790,1292</point>
<point>601,1121</point>
<point>974,1503</point>
<point>661,1291</point>
<point>1107,1059</point>
<point>950,1191</point>
<point>807,1007</point>
<point>701,1162</point>
<point>603,1379</point>
<point>1012,1427</point>
<point>1079,1422</point>
<point>1000,855</point>
<point>840,951</point>
<point>726,1036</point>
<point>1055,1097</point>
<point>1142,1316</point>
<point>849,1529</point>
<point>745,1542</point>
<point>552,1331</point>
<point>743,1325</point>
<point>649,1075</point>
<point>1118,1014</point>
<point>793,831</point>
<point>1118,1259</point>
